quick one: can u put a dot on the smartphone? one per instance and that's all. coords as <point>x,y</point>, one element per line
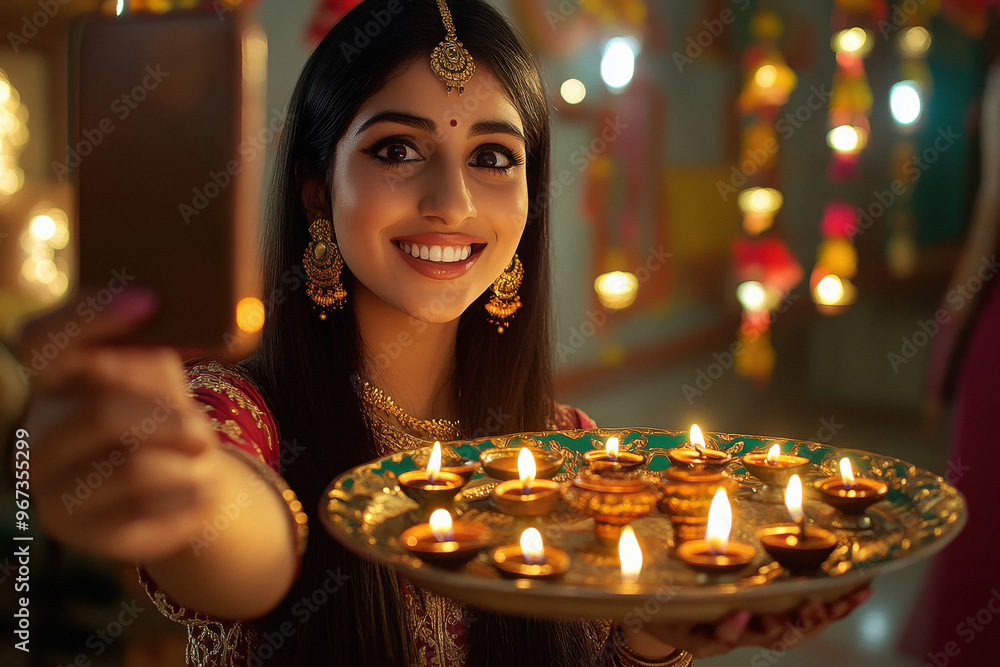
<point>164,111</point>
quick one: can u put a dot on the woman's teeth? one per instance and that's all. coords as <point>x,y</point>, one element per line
<point>437,253</point>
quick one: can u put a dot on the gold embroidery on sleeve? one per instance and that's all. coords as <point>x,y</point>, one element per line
<point>213,376</point>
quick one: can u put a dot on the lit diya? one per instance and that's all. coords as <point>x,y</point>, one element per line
<point>716,554</point>
<point>451,463</point>
<point>687,497</point>
<point>444,542</point>
<point>501,462</point>
<point>530,558</point>
<point>774,469</point>
<point>629,557</point>
<point>797,547</point>
<point>613,500</point>
<point>612,458</point>
<point>431,487</point>
<point>526,496</point>
<point>696,455</point>
<point>851,496</point>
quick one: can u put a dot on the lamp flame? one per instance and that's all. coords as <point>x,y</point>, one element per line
<point>720,522</point>
<point>441,525</point>
<point>434,463</point>
<point>526,468</point>
<point>629,555</point>
<point>531,547</point>
<point>611,448</point>
<point>793,499</point>
<point>773,454</point>
<point>847,473</point>
<point>696,437</point>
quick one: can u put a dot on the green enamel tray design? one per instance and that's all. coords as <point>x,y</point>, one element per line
<point>365,510</point>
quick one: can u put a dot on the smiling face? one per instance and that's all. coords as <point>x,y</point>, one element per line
<point>429,192</point>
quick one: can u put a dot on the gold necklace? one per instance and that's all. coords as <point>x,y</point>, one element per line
<point>439,429</point>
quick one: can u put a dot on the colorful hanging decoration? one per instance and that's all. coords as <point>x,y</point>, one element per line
<point>765,269</point>
<point>850,106</point>
<point>906,100</point>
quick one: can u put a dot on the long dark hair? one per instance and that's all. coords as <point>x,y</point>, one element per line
<point>305,364</point>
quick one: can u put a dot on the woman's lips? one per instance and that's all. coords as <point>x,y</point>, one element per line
<point>439,261</point>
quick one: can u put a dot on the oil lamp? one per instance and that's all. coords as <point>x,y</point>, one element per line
<point>797,547</point>
<point>444,542</point>
<point>774,469</point>
<point>526,496</point>
<point>687,497</point>
<point>530,558</point>
<point>450,462</point>
<point>696,455</point>
<point>850,496</point>
<point>613,500</point>
<point>717,554</point>
<point>629,556</point>
<point>613,459</point>
<point>501,462</point>
<point>431,487</point>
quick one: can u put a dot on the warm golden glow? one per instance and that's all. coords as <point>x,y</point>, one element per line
<point>846,472</point>
<point>532,549</point>
<point>751,295</point>
<point>616,289</point>
<point>43,227</point>
<point>611,447</point>
<point>914,42</point>
<point>773,454</point>
<point>526,467</point>
<point>696,438</point>
<point>434,463</point>
<point>765,76</point>
<point>573,91</point>
<point>843,138</point>
<point>855,41</point>
<point>250,314</point>
<point>793,498</point>
<point>760,200</point>
<point>629,555</point>
<point>441,525</point>
<point>829,290</point>
<point>720,522</point>
<point>45,271</point>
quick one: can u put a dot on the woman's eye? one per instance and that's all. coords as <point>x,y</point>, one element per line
<point>492,159</point>
<point>398,153</point>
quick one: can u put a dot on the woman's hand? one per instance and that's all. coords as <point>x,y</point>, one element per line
<point>741,628</point>
<point>118,450</point>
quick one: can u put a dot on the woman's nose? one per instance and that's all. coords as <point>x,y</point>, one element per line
<point>447,196</point>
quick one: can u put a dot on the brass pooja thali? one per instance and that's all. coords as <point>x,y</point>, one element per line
<point>367,512</point>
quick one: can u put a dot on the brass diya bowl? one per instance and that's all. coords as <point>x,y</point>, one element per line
<point>599,461</point>
<point>467,540</point>
<point>851,501</point>
<point>510,561</point>
<point>542,496</point>
<point>699,458</point>
<point>450,462</point>
<point>501,462</point>
<point>687,497</point>
<point>775,474</point>
<point>440,493</point>
<point>700,558</point>
<point>798,552</point>
<point>612,500</point>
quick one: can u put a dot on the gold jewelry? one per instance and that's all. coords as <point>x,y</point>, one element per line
<point>438,429</point>
<point>626,657</point>
<point>323,264</point>
<point>505,300</point>
<point>451,61</point>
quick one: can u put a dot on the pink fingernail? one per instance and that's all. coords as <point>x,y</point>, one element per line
<point>135,304</point>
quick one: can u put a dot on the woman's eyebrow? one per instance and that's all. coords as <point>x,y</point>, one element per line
<point>426,124</point>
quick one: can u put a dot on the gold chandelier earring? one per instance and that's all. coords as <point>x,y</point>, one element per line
<point>323,265</point>
<point>505,300</point>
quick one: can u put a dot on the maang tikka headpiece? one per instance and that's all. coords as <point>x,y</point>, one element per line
<point>451,61</point>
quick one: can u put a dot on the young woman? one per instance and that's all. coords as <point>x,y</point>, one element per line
<point>407,283</point>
